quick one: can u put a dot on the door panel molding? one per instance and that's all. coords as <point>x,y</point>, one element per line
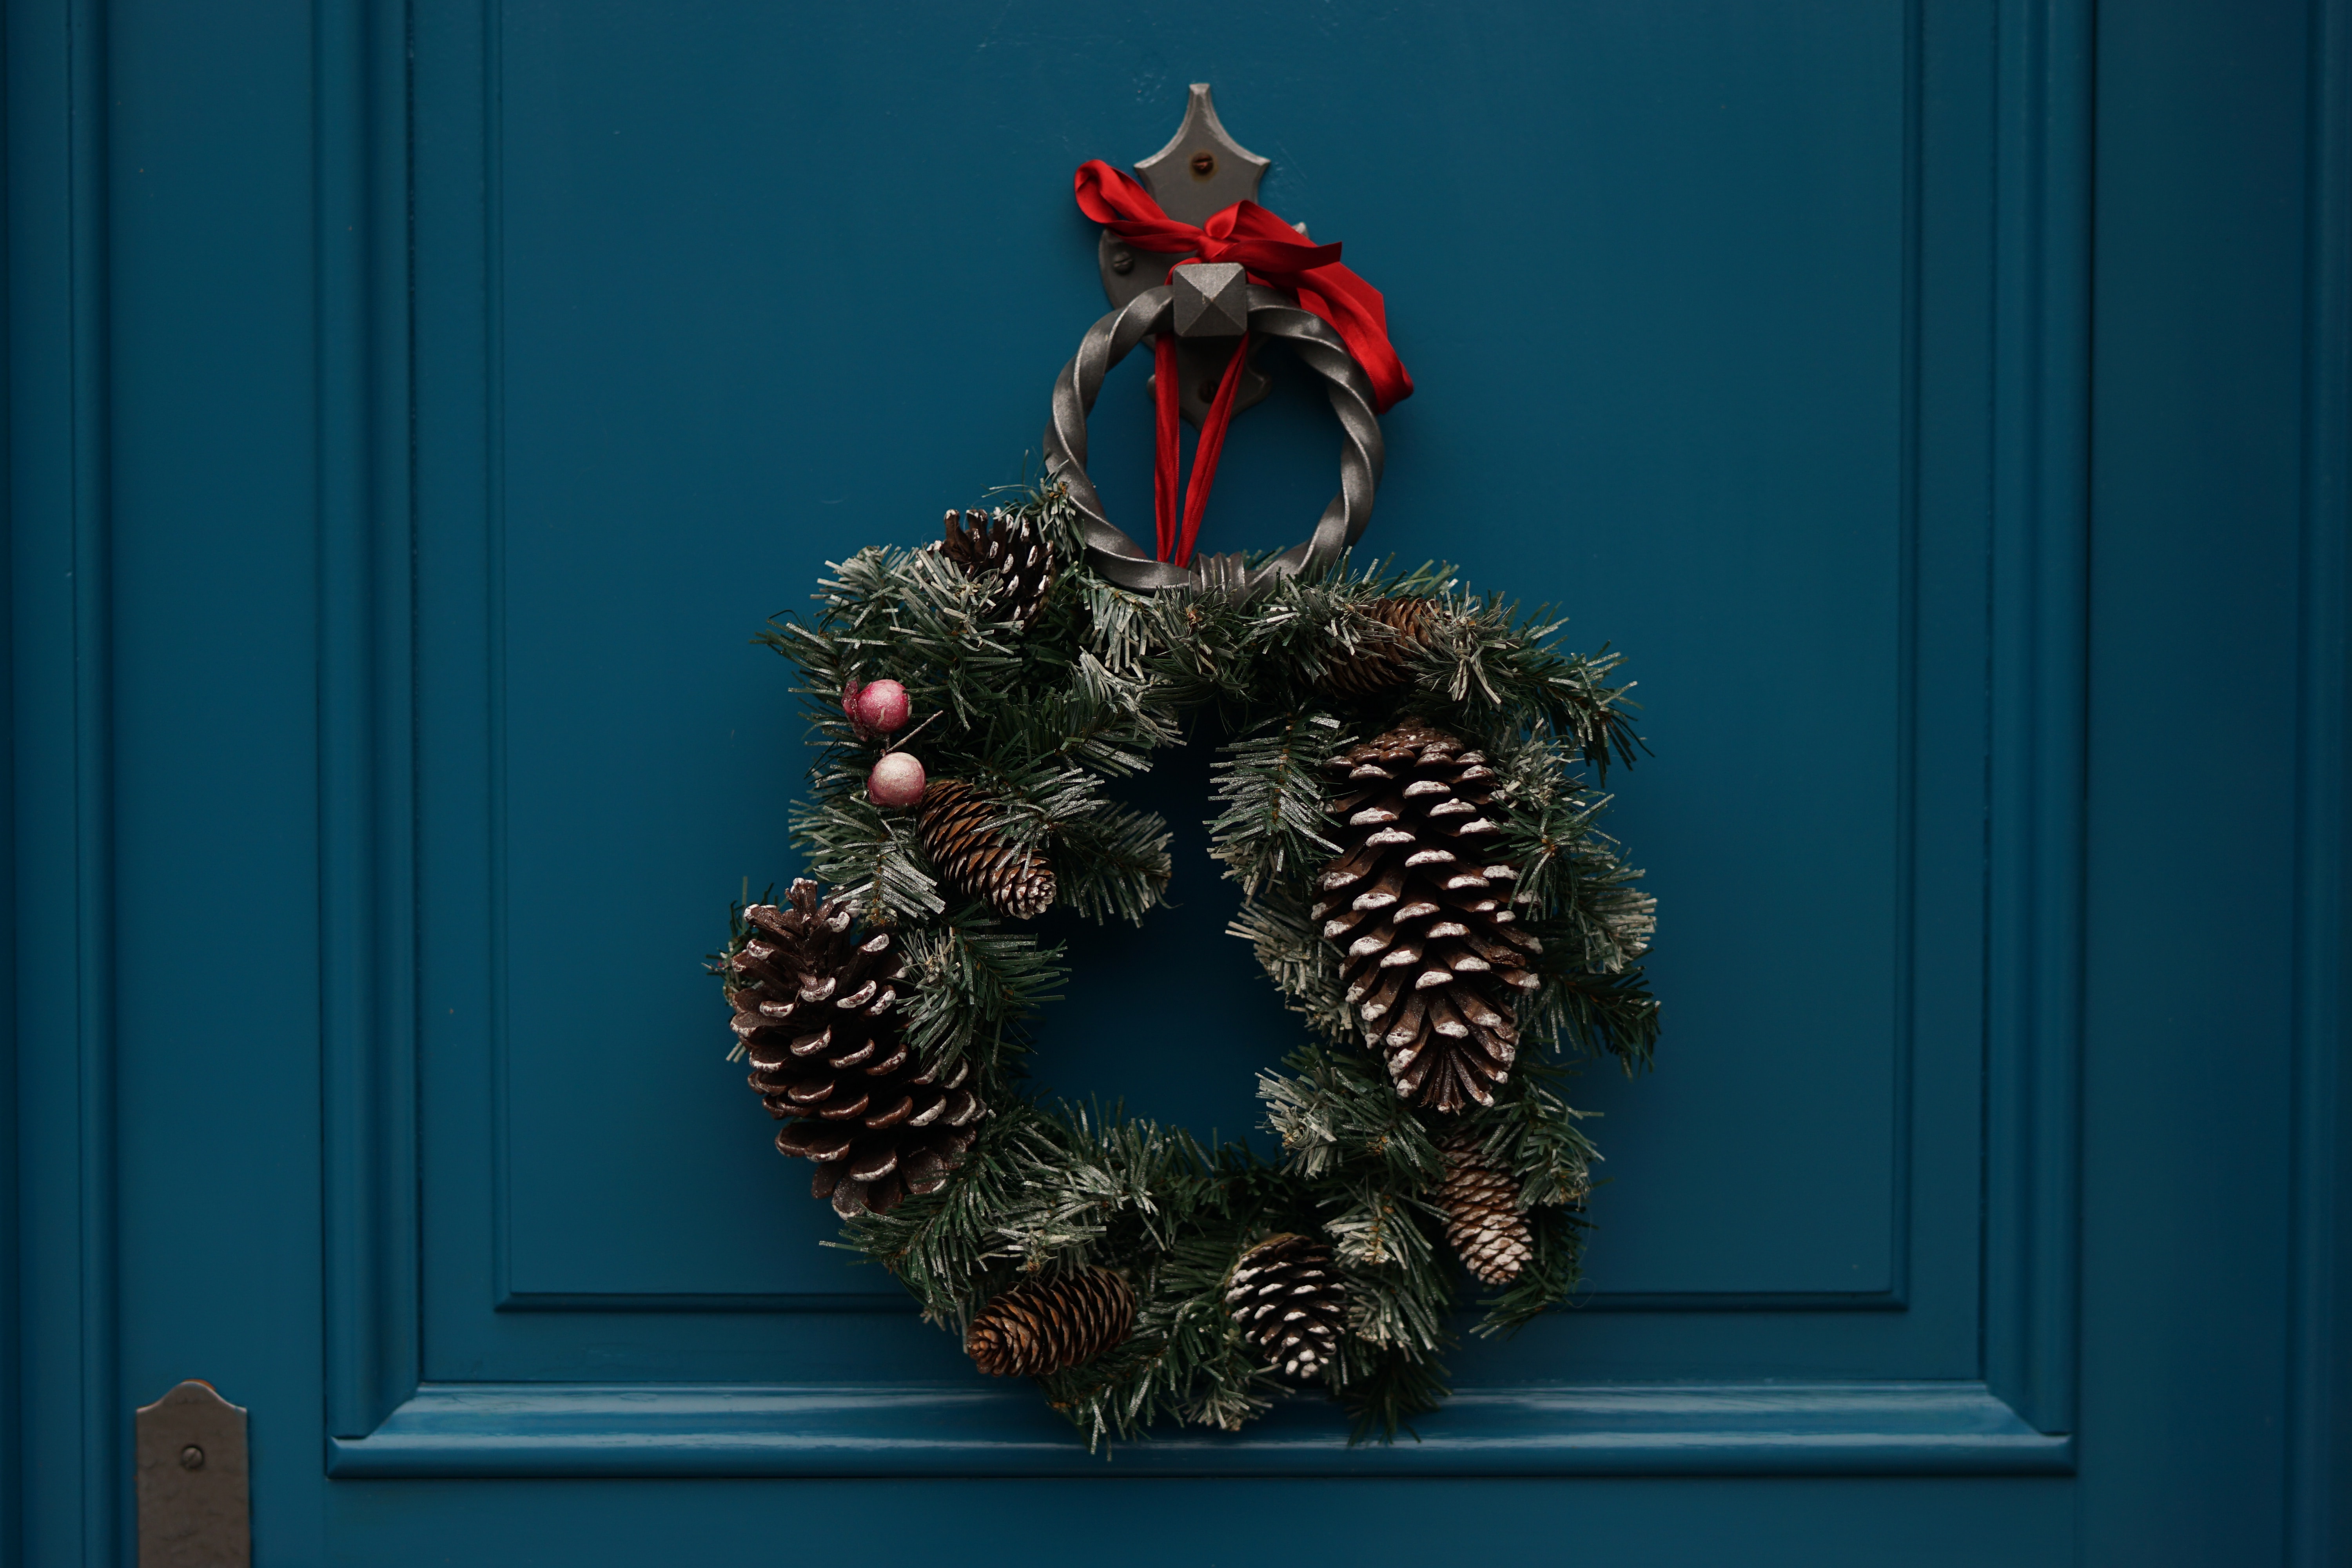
<point>367,895</point>
<point>393,159</point>
<point>718,1429</point>
<point>64,1435</point>
<point>2319,1369</point>
<point>2039,677</point>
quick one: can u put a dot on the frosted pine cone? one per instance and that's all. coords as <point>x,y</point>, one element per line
<point>1287,1297</point>
<point>1043,1326</point>
<point>817,1010</point>
<point>1015,882</point>
<point>1383,658</point>
<point>1419,907</point>
<point>1483,1221</point>
<point>1011,547</point>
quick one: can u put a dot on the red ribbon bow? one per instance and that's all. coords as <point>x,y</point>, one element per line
<point>1273,254</point>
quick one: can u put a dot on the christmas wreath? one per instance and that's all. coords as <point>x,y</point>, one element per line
<point>1409,797</point>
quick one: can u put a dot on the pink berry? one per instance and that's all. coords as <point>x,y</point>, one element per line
<point>881,707</point>
<point>896,781</point>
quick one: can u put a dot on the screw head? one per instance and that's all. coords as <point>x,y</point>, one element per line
<point>192,1457</point>
<point>1203,165</point>
<point>1122,263</point>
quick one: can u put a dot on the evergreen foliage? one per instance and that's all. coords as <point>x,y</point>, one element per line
<point>1043,719</point>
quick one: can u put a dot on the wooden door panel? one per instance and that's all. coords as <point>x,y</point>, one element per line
<point>1705,464</point>
<point>1677,286</point>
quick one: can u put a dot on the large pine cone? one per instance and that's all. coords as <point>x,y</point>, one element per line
<point>1015,882</point>
<point>1013,547</point>
<point>1483,1221</point>
<point>1422,910</point>
<point>816,1009</point>
<point>1383,660</point>
<point>1043,1326</point>
<point>1288,1297</point>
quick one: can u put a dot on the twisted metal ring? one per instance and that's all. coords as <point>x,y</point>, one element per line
<point>1272,315</point>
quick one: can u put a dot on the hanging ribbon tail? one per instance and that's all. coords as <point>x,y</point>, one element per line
<point>1360,316</point>
<point>1212,447</point>
<point>1166,444</point>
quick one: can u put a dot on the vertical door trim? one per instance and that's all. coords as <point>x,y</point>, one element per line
<point>366,705</point>
<point>73,1509</point>
<point>2039,678</point>
<point>2319,1398</point>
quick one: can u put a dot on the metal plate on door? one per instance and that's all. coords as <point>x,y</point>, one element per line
<point>194,1507</point>
<point>1201,171</point>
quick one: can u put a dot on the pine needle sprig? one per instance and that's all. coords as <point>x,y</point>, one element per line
<point>1594,1013</point>
<point>1113,861</point>
<point>973,982</point>
<point>1533,1131</point>
<point>875,857</point>
<point>1544,1282</point>
<point>1303,967</point>
<point>1109,1180</point>
<point>1187,1360</point>
<point>1337,1112</point>
<point>1383,1391</point>
<point>1492,663</point>
<point>944,1247</point>
<point>1269,783</point>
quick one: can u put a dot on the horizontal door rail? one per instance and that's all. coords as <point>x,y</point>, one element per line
<point>459,1429</point>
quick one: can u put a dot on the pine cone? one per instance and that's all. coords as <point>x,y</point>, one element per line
<point>1014,548</point>
<point>1483,1220</point>
<point>814,1008</point>
<point>1043,1326</point>
<point>1289,1300</point>
<point>1015,882</point>
<point>1383,658</point>
<point>1432,959</point>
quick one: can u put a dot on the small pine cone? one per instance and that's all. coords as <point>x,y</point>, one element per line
<point>1015,882</point>
<point>1418,905</point>
<point>1014,548</point>
<point>1383,658</point>
<point>816,1009</point>
<point>1043,1326</point>
<point>1289,1300</point>
<point>1483,1220</point>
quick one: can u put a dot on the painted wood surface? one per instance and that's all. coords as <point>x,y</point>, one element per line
<point>412,411</point>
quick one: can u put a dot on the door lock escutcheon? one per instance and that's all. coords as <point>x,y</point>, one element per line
<point>194,1502</point>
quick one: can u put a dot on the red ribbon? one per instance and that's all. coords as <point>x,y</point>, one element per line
<point>1273,254</point>
<point>1176,537</point>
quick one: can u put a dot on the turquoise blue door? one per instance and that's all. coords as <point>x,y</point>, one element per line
<point>414,410</point>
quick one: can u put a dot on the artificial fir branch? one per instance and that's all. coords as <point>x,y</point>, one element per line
<point>972,984</point>
<point>1544,1282</point>
<point>1270,785</point>
<point>1302,965</point>
<point>1114,862</point>
<point>1384,1387</point>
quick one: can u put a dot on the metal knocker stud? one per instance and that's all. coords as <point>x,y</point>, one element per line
<point>1272,315</point>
